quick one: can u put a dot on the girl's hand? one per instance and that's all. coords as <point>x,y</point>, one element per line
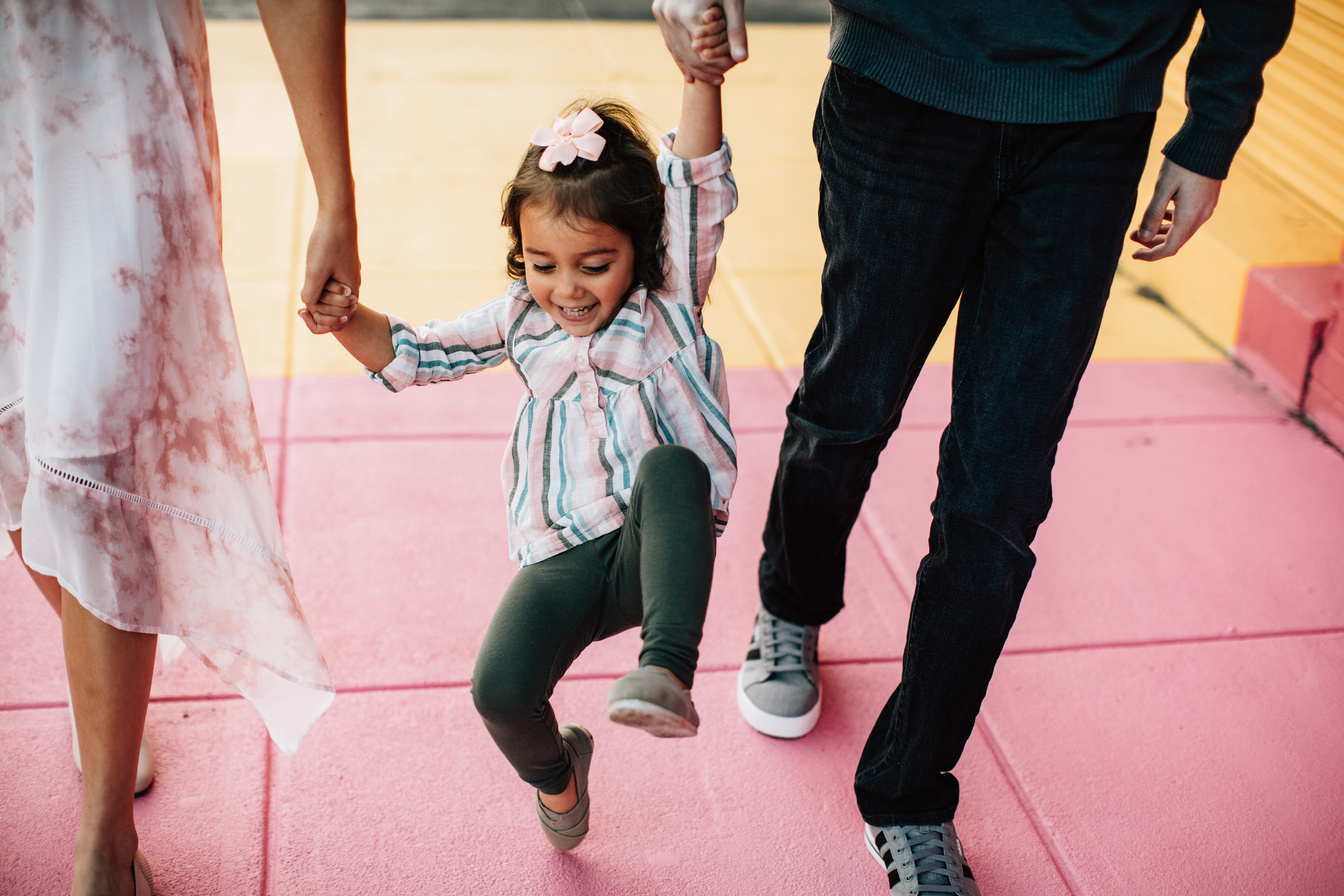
<point>709,39</point>
<point>333,310</point>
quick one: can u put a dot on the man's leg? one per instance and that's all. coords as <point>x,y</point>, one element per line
<point>906,192</point>
<point>1028,321</point>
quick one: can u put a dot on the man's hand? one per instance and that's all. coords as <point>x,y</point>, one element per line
<point>678,20</point>
<point>1192,198</point>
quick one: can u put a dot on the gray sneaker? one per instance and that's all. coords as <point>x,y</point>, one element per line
<point>566,830</point>
<point>779,685</point>
<point>921,859</point>
<point>655,701</point>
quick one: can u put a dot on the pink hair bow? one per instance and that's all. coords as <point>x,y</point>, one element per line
<point>569,138</point>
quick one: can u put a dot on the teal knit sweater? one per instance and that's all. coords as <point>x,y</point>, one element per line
<point>1051,61</point>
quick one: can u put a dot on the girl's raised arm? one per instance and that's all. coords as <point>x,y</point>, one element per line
<point>308,40</point>
<point>700,130</point>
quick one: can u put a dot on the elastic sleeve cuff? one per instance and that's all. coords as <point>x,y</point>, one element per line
<point>720,521</point>
<point>1205,148</point>
<point>401,372</point>
<point>679,172</point>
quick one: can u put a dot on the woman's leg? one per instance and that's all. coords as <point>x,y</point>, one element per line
<point>110,672</point>
<point>50,588</point>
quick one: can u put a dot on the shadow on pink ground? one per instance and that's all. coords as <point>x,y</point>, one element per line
<point>1168,717</point>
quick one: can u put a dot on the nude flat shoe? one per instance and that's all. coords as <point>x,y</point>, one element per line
<point>144,878</point>
<point>144,766</point>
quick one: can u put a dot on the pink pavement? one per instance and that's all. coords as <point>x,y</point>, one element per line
<point>1168,717</point>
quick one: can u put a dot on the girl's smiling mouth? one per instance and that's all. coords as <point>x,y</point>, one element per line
<point>576,313</point>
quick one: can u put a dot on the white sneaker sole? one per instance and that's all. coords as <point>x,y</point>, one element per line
<point>657,720</point>
<point>869,832</point>
<point>786,727</point>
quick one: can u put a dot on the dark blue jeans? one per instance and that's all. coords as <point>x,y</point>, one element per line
<point>1025,223</point>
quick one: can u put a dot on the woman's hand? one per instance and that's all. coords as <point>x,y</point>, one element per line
<point>331,278</point>
<point>335,306</point>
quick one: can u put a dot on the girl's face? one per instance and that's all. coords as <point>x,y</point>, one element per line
<point>579,272</point>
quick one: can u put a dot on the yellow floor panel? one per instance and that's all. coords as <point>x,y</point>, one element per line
<point>1255,225</point>
<point>260,203</point>
<point>439,117</point>
<point>263,308</point>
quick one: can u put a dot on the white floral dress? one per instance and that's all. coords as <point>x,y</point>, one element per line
<point>129,450</point>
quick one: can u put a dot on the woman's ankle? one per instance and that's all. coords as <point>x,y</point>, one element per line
<point>103,861</point>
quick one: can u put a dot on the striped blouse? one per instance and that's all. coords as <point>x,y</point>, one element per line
<point>596,404</point>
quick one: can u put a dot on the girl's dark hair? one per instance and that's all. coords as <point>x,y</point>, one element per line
<point>620,189</point>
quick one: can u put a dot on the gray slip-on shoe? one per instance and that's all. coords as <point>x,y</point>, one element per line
<point>566,830</point>
<point>779,684</point>
<point>653,699</point>
<point>921,859</point>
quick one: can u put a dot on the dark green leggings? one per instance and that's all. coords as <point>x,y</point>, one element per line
<point>654,572</point>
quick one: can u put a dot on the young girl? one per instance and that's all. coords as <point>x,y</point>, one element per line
<point>621,462</point>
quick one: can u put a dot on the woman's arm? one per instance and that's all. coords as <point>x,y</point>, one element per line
<point>308,40</point>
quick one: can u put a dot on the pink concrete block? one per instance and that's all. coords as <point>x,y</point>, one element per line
<point>1181,769</point>
<point>1326,410</point>
<point>896,511</point>
<point>401,591</point>
<point>201,825</point>
<point>757,397</point>
<point>399,569</point>
<point>1170,390</point>
<point>1282,319</point>
<point>1169,532</point>
<point>1324,402</point>
<point>403,792</point>
<point>32,662</point>
<point>343,406</point>
<point>39,802</point>
<point>930,401</point>
<point>872,625</point>
<point>1233,527</point>
<point>1119,390</point>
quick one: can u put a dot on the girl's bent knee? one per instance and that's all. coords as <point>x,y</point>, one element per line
<point>500,700</point>
<point>674,463</point>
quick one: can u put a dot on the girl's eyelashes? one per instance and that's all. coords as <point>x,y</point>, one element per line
<point>594,269</point>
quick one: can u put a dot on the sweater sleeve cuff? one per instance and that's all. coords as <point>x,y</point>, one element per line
<point>1204,148</point>
<point>679,172</point>
<point>401,372</point>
